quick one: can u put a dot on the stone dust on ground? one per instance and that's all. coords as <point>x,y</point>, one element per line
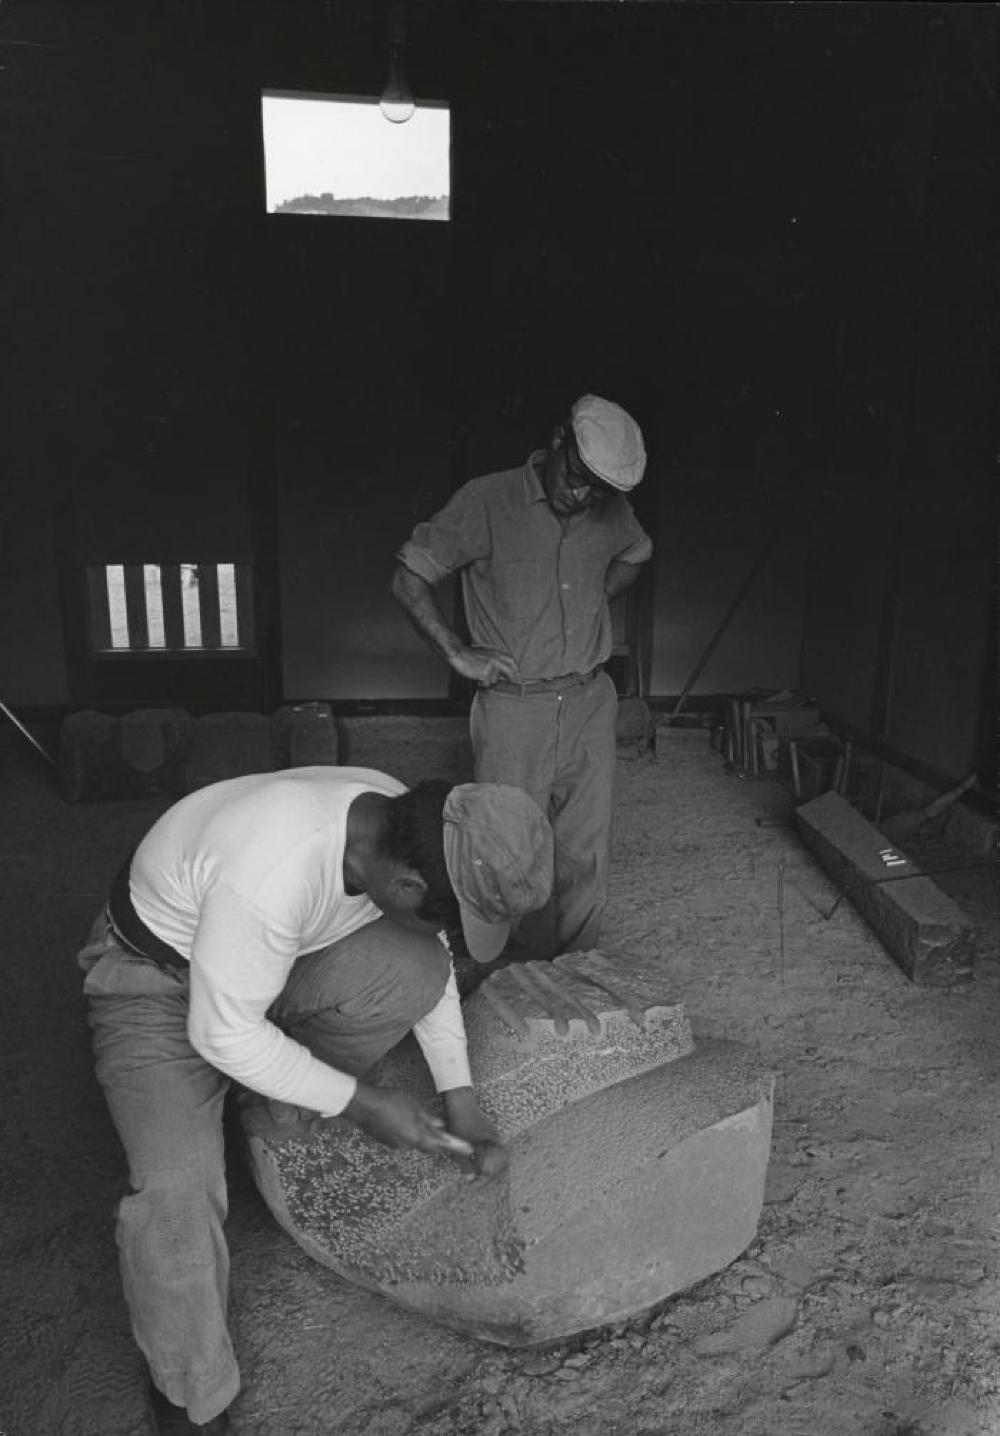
<point>868,1305</point>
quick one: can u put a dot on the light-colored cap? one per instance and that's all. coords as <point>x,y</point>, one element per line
<point>498,850</point>
<point>609,441</point>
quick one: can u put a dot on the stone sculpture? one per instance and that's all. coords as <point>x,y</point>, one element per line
<point>637,1162</point>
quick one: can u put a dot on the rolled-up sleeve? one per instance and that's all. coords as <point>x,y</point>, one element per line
<point>637,546</point>
<point>455,536</point>
<point>441,1035</point>
<point>240,961</point>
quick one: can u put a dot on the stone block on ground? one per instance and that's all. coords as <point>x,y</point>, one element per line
<point>304,735</point>
<point>633,725</point>
<point>673,739</point>
<point>227,745</point>
<point>90,766</point>
<point>927,934</point>
<point>153,746</point>
<point>637,1162</point>
<point>409,748</point>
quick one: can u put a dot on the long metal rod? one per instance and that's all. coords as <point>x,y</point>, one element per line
<point>21,729</point>
<point>727,618</point>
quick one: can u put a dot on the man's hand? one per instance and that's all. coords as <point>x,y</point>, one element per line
<point>484,666</point>
<point>397,1119</point>
<point>467,1120</point>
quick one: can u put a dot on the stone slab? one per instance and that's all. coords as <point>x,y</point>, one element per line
<point>408,747</point>
<point>633,725</point>
<point>637,1163</point>
<point>227,745</point>
<point>927,934</point>
<point>89,764</point>
<point>154,752</point>
<point>304,735</point>
<point>153,745</point>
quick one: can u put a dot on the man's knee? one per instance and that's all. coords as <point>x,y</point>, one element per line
<point>381,971</point>
<point>173,1221</point>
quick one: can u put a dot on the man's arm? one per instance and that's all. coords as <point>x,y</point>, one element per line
<point>441,1036</point>
<point>619,577</point>
<point>396,1119</point>
<point>238,968</point>
<point>482,665</point>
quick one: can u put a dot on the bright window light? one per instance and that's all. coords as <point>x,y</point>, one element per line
<point>324,154</point>
<point>229,629</point>
<point>117,611</point>
<point>154,605</point>
<point>190,606</point>
<point>171,608</point>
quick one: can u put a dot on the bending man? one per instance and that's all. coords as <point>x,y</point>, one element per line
<point>280,930</point>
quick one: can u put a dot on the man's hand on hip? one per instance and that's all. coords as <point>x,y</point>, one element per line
<point>484,666</point>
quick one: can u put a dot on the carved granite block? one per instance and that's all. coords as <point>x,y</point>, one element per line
<point>637,1162</point>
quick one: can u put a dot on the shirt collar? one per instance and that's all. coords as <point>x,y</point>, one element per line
<point>533,489</point>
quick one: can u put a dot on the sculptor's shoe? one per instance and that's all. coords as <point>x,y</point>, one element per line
<point>171,1420</point>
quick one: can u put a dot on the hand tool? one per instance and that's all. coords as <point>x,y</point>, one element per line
<point>448,1142</point>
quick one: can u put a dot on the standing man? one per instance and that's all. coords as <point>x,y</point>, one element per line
<point>541,551</point>
<point>280,930</point>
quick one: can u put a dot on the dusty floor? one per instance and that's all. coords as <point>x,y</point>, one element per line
<point>869,1305</point>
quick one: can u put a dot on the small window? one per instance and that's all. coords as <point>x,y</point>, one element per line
<point>334,155</point>
<point>171,608</point>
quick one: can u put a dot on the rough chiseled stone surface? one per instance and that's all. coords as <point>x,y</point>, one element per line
<point>637,1162</point>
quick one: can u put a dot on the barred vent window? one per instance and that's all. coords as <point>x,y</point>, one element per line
<point>171,608</point>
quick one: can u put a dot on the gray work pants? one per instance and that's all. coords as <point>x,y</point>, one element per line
<point>349,1004</point>
<point>557,743</point>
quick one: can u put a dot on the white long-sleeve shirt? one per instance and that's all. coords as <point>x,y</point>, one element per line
<point>241,878</point>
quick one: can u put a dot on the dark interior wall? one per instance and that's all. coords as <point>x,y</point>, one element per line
<point>620,241</point>
<point>744,222</point>
<point>769,230</point>
<point>899,629</point>
<point>359,356</point>
<point>362,431</point>
<point>132,174</point>
<point>196,379</point>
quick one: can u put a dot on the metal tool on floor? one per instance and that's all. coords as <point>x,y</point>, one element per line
<point>781,921</point>
<point>22,730</point>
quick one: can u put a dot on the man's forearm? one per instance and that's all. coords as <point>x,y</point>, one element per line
<point>440,1035</point>
<point>619,577</point>
<point>481,665</point>
<point>416,597</point>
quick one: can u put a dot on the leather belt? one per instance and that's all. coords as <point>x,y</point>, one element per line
<point>132,932</point>
<point>544,685</point>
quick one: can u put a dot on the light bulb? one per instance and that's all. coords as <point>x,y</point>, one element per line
<point>396,103</point>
